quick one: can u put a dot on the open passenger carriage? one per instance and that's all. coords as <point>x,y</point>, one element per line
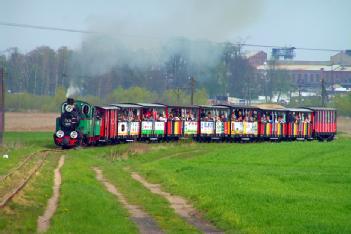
<point>182,122</point>
<point>272,124</point>
<point>244,123</point>
<point>214,123</point>
<point>153,121</point>
<point>299,124</point>
<point>128,129</point>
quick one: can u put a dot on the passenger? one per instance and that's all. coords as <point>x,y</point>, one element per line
<point>202,115</point>
<point>162,118</point>
<point>297,118</point>
<point>209,116</point>
<point>251,118</point>
<point>223,118</point>
<point>240,117</point>
<point>233,117</point>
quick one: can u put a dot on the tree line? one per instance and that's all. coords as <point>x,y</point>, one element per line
<point>219,69</point>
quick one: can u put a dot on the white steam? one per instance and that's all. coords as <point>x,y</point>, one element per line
<point>72,91</point>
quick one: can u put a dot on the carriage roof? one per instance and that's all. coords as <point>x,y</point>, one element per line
<point>239,106</point>
<point>273,109</point>
<point>299,110</point>
<point>213,107</point>
<point>321,108</point>
<point>126,105</point>
<point>151,105</point>
<point>108,107</point>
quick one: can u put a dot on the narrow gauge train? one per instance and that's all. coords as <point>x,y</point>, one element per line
<point>83,124</point>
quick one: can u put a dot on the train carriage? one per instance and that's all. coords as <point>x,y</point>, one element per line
<point>153,121</point>
<point>272,124</point>
<point>324,123</point>
<point>129,116</point>
<point>109,121</point>
<point>299,124</point>
<point>214,123</point>
<point>182,122</point>
<point>244,123</point>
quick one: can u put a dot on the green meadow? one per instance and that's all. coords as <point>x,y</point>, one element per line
<point>290,187</point>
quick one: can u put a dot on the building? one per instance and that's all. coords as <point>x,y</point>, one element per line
<point>343,58</point>
<point>256,58</point>
<point>307,75</point>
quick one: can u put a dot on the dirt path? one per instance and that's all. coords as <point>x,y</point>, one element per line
<point>181,206</point>
<point>44,221</point>
<point>144,222</point>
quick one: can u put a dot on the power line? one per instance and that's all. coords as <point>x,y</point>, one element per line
<point>9,24</point>
<point>44,27</point>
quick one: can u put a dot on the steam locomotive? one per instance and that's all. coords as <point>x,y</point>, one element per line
<point>83,124</point>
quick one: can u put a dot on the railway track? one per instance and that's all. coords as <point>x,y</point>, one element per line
<point>17,178</point>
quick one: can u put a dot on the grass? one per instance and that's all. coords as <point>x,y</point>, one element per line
<point>85,205</point>
<point>293,187</point>
<point>20,216</point>
<point>19,145</point>
<point>269,188</point>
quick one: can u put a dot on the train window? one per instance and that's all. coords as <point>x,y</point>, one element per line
<point>130,114</point>
<point>154,114</point>
<point>86,109</point>
<point>246,115</point>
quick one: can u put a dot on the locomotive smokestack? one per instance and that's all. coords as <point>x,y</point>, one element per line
<point>70,101</point>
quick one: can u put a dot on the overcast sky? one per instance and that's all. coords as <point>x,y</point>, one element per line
<point>299,23</point>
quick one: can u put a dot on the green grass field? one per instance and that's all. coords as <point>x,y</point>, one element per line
<point>293,187</point>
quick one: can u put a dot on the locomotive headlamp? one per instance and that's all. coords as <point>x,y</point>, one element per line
<point>60,133</point>
<point>69,108</point>
<point>74,134</point>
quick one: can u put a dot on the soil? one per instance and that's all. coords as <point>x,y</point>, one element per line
<point>144,222</point>
<point>44,221</point>
<point>30,122</point>
<point>181,206</point>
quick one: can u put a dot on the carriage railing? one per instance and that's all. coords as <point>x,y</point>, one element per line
<point>273,129</point>
<point>128,128</point>
<point>215,128</point>
<point>244,128</point>
<point>153,128</point>
<point>181,127</point>
<point>301,129</point>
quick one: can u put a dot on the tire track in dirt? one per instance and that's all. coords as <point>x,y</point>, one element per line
<point>181,206</point>
<point>144,222</point>
<point>43,222</point>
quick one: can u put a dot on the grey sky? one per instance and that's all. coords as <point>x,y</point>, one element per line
<point>316,24</point>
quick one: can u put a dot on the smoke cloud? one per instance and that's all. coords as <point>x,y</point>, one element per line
<point>143,33</point>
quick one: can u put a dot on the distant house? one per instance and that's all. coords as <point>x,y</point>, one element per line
<point>307,75</point>
<point>256,58</point>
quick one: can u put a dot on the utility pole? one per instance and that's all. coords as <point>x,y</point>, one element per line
<point>192,90</point>
<point>2,105</point>
<point>323,93</point>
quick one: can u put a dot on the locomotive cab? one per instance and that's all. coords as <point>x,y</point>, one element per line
<point>78,124</point>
